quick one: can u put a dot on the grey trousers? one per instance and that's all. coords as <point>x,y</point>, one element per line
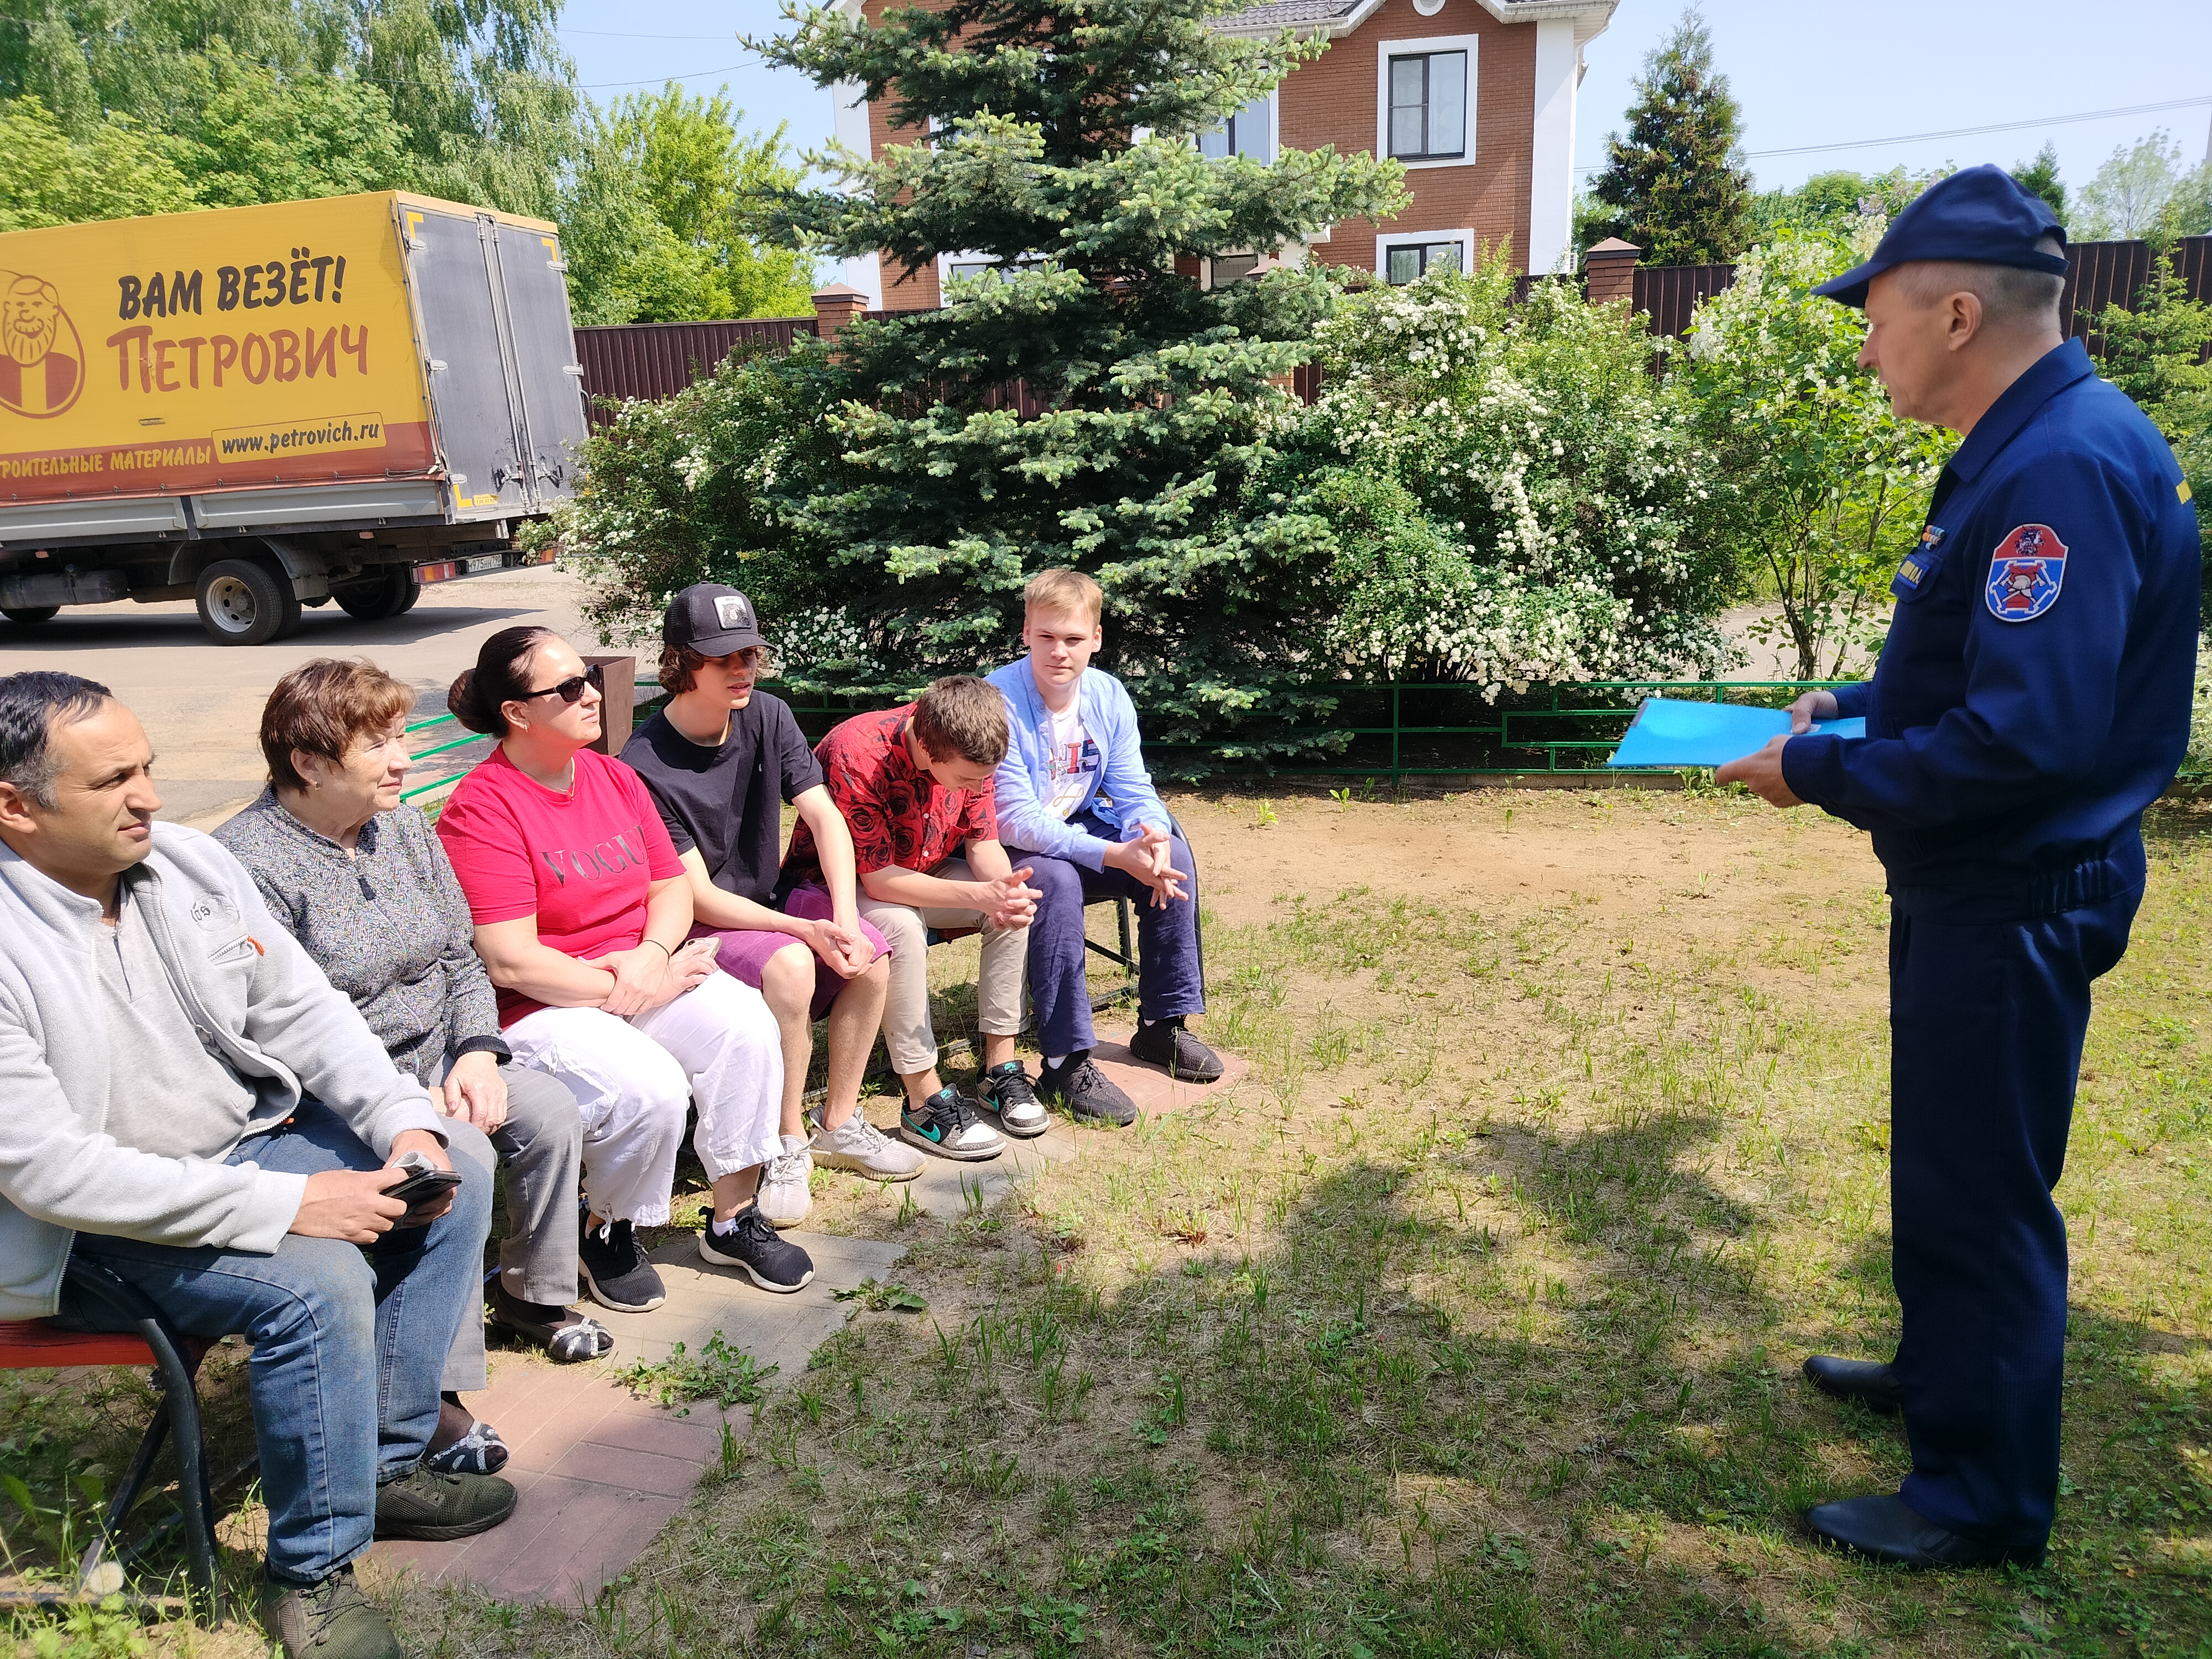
<point>542,1143</point>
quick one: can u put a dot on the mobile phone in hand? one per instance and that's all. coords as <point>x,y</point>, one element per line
<point>423,1187</point>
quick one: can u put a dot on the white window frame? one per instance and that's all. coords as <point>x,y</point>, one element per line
<point>1385,51</point>
<point>1274,129</point>
<point>1384,241</point>
<point>946,261</point>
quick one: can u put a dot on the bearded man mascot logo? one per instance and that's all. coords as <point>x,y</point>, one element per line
<point>41,359</point>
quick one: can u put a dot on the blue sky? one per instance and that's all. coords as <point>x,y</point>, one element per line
<point>1806,75</point>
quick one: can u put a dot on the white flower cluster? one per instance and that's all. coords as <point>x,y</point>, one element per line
<point>828,640</point>
<point>1563,469</point>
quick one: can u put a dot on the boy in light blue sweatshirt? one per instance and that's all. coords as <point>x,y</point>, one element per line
<point>1074,798</point>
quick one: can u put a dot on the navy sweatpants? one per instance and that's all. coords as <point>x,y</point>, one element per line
<point>1168,981</point>
<point>1986,1024</point>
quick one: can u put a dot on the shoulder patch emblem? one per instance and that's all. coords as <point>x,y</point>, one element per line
<point>2182,490</point>
<point>2026,573</point>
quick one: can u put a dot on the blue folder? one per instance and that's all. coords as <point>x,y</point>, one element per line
<point>1670,732</point>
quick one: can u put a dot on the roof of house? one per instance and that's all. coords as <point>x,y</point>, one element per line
<point>1342,16</point>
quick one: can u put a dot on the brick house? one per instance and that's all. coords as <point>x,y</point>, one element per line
<point>1475,97</point>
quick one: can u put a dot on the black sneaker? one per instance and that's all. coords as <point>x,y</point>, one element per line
<point>437,1507</point>
<point>1176,1051</point>
<point>1082,1091</point>
<point>747,1240</point>
<point>946,1124</point>
<point>330,1618</point>
<point>615,1270</point>
<point>1006,1091</point>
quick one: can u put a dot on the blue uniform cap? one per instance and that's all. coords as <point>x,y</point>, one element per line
<point>1982,216</point>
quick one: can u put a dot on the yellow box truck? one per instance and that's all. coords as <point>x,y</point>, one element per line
<point>261,407</point>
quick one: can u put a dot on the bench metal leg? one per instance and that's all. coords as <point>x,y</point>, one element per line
<point>178,1411</point>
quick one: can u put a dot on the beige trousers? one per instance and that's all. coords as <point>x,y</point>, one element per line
<point>907,1035</point>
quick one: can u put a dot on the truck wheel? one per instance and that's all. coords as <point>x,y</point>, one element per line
<point>242,602</point>
<point>390,593</point>
<point>30,615</point>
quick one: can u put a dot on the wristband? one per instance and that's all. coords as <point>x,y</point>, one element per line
<point>664,950</point>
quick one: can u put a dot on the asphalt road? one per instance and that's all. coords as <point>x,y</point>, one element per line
<point>202,703</point>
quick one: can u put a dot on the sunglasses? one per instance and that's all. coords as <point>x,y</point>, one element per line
<point>570,690</point>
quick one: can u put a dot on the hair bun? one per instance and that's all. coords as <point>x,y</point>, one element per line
<point>461,705</point>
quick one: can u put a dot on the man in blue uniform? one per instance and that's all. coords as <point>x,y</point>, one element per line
<point>2032,699</point>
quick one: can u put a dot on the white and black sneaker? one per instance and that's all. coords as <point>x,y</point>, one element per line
<point>747,1241</point>
<point>1006,1091</point>
<point>1081,1090</point>
<point>946,1124</point>
<point>615,1270</point>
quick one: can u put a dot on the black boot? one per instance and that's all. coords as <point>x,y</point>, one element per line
<point>1871,1383</point>
<point>1887,1529</point>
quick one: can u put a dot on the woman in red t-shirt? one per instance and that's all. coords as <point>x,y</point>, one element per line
<point>582,908</point>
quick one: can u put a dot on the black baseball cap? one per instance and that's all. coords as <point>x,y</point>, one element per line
<point>712,620</point>
<point>1982,216</point>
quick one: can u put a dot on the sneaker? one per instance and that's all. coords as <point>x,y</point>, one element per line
<point>1084,1091</point>
<point>330,1618</point>
<point>1006,1091</point>
<point>1165,1044</point>
<point>747,1241</point>
<point>857,1145</point>
<point>437,1507</point>
<point>946,1124</point>
<point>615,1270</point>
<point>784,1199</point>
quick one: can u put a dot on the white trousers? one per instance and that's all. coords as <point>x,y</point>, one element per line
<point>717,1043</point>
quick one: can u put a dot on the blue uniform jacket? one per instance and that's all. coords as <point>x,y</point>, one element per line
<point>2033,694</point>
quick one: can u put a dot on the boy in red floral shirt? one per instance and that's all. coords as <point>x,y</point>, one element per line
<point>913,785</point>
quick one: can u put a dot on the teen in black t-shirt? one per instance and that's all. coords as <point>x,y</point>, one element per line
<point>722,760</point>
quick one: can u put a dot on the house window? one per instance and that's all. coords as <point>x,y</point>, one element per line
<point>1428,105</point>
<point>1410,256</point>
<point>1250,131</point>
<point>983,264</point>
<point>1408,262</point>
<point>1227,268</point>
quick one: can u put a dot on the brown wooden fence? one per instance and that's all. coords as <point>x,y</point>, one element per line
<point>657,360</point>
<point>652,361</point>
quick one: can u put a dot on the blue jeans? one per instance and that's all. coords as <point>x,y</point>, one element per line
<point>1168,982</point>
<point>1986,1024</point>
<point>349,1340</point>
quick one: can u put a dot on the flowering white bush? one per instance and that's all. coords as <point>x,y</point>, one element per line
<point>1510,489</point>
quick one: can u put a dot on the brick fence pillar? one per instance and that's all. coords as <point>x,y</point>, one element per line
<point>836,306</point>
<point>1609,270</point>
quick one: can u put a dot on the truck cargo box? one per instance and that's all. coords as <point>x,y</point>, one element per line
<point>260,375</point>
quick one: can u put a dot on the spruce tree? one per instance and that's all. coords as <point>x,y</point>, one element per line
<point>1676,186</point>
<point>1055,137</point>
<point>2041,176</point>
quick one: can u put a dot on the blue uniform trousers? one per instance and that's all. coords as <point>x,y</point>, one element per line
<point>1986,1024</point>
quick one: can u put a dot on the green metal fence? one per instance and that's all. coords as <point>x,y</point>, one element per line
<point>1431,728</point>
<point>1394,730</point>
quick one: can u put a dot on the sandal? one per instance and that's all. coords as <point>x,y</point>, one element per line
<point>480,1451</point>
<point>568,1337</point>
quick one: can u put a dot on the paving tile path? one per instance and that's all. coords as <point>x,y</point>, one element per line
<point>600,1470</point>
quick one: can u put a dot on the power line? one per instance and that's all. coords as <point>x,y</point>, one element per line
<point>625,34</point>
<point>1968,132</point>
<point>656,80</point>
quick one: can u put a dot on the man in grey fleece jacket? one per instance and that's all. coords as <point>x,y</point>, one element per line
<point>191,1105</point>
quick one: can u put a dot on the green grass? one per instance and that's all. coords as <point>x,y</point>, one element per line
<point>1470,1322</point>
